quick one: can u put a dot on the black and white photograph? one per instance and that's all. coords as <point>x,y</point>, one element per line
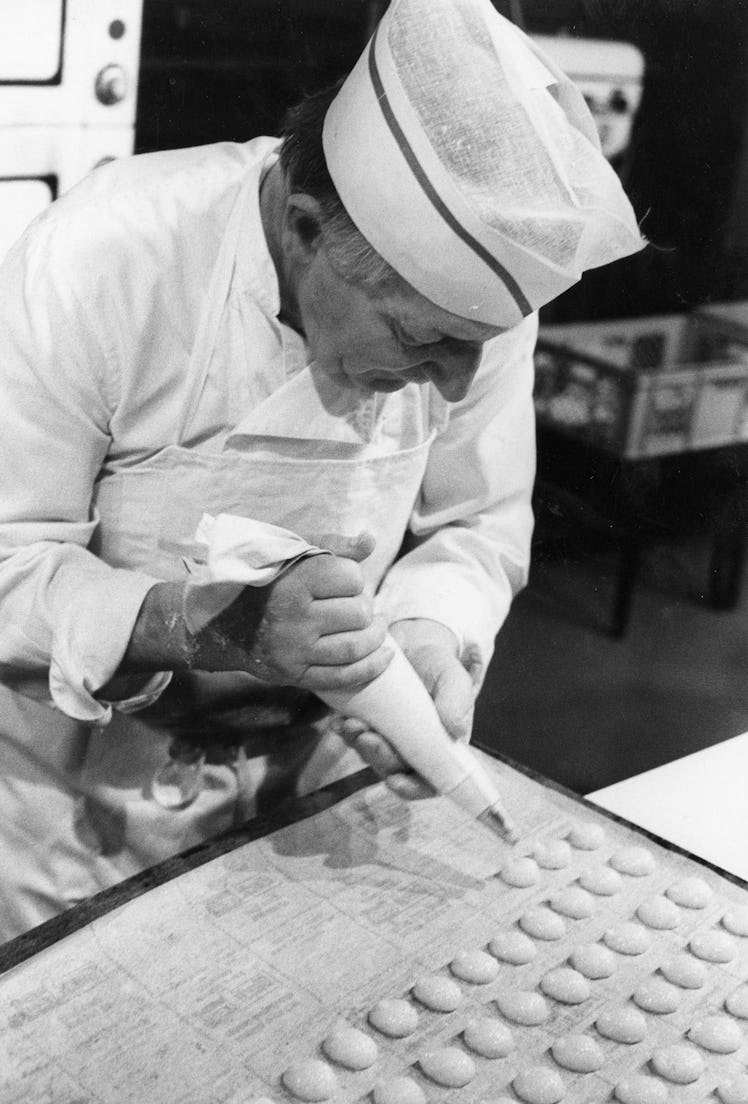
<point>373,576</point>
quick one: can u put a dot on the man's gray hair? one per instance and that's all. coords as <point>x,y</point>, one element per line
<point>303,162</point>
<point>351,255</point>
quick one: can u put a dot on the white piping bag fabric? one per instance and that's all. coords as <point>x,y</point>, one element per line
<point>239,552</point>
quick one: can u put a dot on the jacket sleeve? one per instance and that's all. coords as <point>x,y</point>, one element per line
<point>61,608</point>
<point>472,524</point>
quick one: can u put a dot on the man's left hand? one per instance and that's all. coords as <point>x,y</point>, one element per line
<point>432,650</point>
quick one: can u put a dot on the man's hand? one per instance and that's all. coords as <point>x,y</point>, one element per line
<point>312,628</point>
<point>432,649</point>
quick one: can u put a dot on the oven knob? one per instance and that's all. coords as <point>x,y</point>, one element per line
<point>618,102</point>
<point>111,85</point>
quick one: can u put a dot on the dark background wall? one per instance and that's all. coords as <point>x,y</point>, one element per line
<point>227,69</point>
<point>683,170</point>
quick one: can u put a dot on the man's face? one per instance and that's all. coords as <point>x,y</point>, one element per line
<point>380,341</point>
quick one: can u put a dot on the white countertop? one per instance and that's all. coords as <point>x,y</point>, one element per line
<point>699,802</point>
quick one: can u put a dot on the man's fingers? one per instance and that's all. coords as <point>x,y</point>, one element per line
<point>332,577</point>
<point>375,751</point>
<point>357,548</point>
<point>348,728</point>
<point>381,756</point>
<point>451,688</point>
<point>336,615</point>
<point>338,649</point>
<point>350,676</point>
<point>454,698</point>
<point>409,787</point>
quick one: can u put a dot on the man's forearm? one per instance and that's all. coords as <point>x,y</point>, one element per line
<point>158,643</point>
<point>312,627</point>
<point>159,640</point>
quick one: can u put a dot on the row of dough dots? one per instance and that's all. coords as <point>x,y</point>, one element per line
<point>454,1066</point>
<point>577,901</point>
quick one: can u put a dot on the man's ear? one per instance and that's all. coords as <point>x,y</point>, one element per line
<point>302,227</point>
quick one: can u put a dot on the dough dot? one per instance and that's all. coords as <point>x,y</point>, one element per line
<point>574,902</point>
<point>734,1091</point>
<point>310,1080</point>
<point>489,1038</point>
<point>578,1053</point>
<point>640,1089</point>
<point>657,995</point>
<point>684,970</point>
<point>680,1063</point>
<point>565,985</point>
<point>539,1085</point>
<point>627,938</point>
<point>351,1048</point>
<point>637,862</point>
<point>528,1009</point>
<point>399,1090</point>
<point>601,880</point>
<point>541,923</point>
<point>713,946</point>
<point>690,892</point>
<point>440,994</point>
<point>477,967</point>
<point>520,873</point>
<point>659,913</point>
<point>737,1002</point>
<point>586,836</point>
<point>394,1017</point>
<point>449,1067</point>
<point>736,920</point>
<point>622,1025</point>
<point>719,1034</point>
<point>513,947</point>
<point>593,960</point>
<point>552,854</point>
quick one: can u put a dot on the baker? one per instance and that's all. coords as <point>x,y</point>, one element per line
<point>330,333</point>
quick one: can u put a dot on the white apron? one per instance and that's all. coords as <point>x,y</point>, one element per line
<point>82,814</point>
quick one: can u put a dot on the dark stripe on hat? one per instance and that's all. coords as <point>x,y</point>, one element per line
<point>415,167</point>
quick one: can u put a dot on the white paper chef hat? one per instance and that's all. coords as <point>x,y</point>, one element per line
<point>472,164</point>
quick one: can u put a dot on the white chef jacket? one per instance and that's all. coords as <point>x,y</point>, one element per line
<point>99,304</point>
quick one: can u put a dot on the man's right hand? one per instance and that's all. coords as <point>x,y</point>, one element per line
<point>313,627</point>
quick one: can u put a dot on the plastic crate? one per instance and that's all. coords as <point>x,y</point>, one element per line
<point>722,331</point>
<point>642,387</point>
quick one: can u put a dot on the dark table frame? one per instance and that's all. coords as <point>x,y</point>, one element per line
<point>592,489</point>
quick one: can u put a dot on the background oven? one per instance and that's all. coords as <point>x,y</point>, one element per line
<point>68,91</point>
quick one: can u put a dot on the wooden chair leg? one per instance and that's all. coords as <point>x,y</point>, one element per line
<point>726,568</point>
<point>627,575</point>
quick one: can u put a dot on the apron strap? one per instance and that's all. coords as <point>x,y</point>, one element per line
<point>212,312</point>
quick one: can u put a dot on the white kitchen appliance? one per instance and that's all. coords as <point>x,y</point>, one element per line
<point>68,86</point>
<point>609,75</point>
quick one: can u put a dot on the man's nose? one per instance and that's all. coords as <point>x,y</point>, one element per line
<point>453,371</point>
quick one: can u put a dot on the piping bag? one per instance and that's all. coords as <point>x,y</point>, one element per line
<point>243,552</point>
